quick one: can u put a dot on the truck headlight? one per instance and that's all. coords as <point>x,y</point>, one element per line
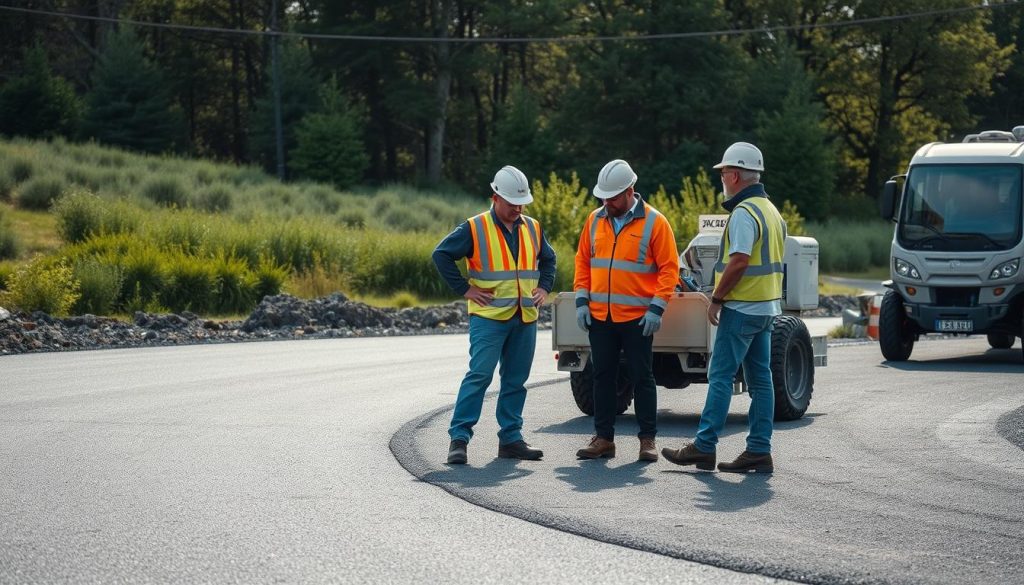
<point>1005,270</point>
<point>906,269</point>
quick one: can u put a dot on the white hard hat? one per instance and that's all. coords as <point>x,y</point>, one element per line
<point>511,184</point>
<point>742,155</point>
<point>614,178</point>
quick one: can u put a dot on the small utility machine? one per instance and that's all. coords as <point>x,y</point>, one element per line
<point>683,345</point>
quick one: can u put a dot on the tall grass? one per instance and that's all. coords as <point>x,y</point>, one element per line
<point>851,246</point>
<point>10,245</point>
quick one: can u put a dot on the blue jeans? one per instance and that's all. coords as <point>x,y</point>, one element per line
<point>747,340</point>
<point>512,343</point>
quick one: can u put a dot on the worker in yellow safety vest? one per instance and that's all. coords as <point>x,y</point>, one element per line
<point>745,301</point>
<point>510,269</point>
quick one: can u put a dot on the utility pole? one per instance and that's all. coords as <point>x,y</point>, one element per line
<point>275,55</point>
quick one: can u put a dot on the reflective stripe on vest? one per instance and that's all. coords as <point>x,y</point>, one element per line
<point>492,266</point>
<point>762,280</point>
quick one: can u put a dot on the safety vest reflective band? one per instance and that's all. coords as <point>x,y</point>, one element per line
<point>628,273</point>
<point>492,267</point>
<point>762,280</point>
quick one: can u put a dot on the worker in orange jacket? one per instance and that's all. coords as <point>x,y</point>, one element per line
<point>627,267</point>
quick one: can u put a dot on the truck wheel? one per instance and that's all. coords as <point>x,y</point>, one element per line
<point>792,367</point>
<point>895,331</point>
<point>1000,340</point>
<point>582,384</point>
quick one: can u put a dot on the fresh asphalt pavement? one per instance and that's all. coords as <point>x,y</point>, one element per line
<point>277,462</point>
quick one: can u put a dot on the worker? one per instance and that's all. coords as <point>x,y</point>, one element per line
<point>511,269</point>
<point>745,301</point>
<point>627,267</point>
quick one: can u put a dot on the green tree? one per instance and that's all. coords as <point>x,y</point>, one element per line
<point>38,104</point>
<point>893,86</point>
<point>329,142</point>
<point>129,105</point>
<point>799,151</point>
<point>523,138</point>
<point>299,87</point>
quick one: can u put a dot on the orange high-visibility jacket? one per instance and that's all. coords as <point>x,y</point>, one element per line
<point>626,275</point>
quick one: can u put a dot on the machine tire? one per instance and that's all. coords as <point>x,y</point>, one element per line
<point>1000,340</point>
<point>582,384</point>
<point>792,363</point>
<point>896,332</point>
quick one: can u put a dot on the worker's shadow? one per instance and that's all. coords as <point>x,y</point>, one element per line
<point>597,475</point>
<point>494,473</point>
<point>722,493</point>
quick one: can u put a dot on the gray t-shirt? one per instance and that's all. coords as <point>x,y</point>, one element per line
<point>742,236</point>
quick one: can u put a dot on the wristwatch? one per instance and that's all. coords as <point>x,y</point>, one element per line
<point>717,301</point>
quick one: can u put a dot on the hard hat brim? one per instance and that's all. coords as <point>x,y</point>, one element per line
<point>524,200</point>
<point>602,194</point>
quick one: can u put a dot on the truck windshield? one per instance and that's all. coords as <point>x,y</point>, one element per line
<point>961,208</point>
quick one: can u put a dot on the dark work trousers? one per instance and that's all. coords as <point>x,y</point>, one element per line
<point>607,339</point>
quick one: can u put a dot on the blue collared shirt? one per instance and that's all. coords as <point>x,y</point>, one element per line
<point>618,222</point>
<point>459,244</point>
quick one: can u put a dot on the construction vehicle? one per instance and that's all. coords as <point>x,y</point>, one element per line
<point>957,244</point>
<point>683,346</point>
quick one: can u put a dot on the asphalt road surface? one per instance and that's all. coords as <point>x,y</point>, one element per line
<point>277,462</point>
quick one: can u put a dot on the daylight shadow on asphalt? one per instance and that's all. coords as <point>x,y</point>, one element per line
<point>993,361</point>
<point>597,475</point>
<point>492,474</point>
<point>723,492</point>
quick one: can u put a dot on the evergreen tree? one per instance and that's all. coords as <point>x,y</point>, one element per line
<point>523,139</point>
<point>129,105</point>
<point>38,104</point>
<point>298,97</point>
<point>329,142</point>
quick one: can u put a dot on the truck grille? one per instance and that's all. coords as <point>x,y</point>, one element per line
<point>956,296</point>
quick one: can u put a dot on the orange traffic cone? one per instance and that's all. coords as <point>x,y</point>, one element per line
<point>874,311</point>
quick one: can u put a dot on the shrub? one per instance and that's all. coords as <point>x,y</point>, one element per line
<point>39,193</point>
<point>270,277</point>
<point>10,245</point>
<point>6,185</point>
<point>395,262</point>
<point>41,285</point>
<point>6,270</point>
<point>404,300</point>
<point>214,198</point>
<point>190,286</point>
<point>21,170</point>
<point>561,207</point>
<point>80,214</point>
<point>352,218</point>
<point>236,285</point>
<point>100,287</point>
<point>168,191</point>
<point>144,276</point>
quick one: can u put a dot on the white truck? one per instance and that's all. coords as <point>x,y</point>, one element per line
<point>957,244</point>
<point>682,347</point>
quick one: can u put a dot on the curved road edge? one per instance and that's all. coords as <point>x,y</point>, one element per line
<point>405,448</point>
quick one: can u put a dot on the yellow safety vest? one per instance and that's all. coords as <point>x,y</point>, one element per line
<point>762,281</point>
<point>492,267</point>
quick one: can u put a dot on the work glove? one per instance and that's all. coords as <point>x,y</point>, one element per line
<point>583,317</point>
<point>651,323</point>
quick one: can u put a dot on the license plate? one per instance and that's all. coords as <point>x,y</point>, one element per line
<point>954,326</point>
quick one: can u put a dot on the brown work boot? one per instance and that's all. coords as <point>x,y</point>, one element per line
<point>747,461</point>
<point>648,450</point>
<point>689,454</point>
<point>597,448</point>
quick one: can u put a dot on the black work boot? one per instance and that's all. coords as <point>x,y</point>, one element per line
<point>689,454</point>
<point>519,450</point>
<point>457,452</point>
<point>747,461</point>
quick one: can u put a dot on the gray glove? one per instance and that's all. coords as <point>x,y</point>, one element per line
<point>651,323</point>
<point>583,317</point>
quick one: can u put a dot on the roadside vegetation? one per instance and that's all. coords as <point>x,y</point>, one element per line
<point>113,232</point>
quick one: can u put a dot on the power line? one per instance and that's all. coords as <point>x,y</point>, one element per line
<point>500,40</point>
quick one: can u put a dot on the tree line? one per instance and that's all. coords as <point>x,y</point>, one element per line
<point>836,109</point>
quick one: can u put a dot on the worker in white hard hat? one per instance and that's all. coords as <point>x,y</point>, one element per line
<point>745,301</point>
<point>510,269</point>
<point>627,267</point>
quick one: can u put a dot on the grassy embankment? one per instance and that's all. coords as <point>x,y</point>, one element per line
<point>90,229</point>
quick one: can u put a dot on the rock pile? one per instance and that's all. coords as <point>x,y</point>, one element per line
<point>276,317</point>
